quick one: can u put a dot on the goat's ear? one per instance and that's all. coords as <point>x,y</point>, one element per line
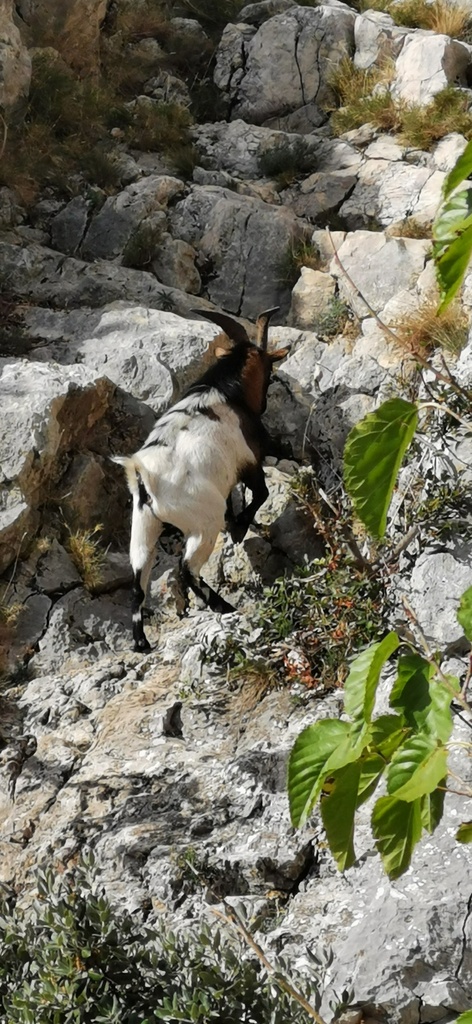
<point>231,327</point>
<point>279,353</point>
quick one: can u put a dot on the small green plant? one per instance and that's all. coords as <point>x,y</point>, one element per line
<point>143,245</point>
<point>300,253</point>
<point>70,956</point>
<point>87,556</point>
<point>334,319</point>
<point>285,161</point>
<point>167,301</point>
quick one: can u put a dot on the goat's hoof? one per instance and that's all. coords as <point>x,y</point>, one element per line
<point>238,532</point>
<point>142,645</point>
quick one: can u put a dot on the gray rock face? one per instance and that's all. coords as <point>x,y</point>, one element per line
<point>238,147</point>
<point>241,243</point>
<point>73,28</point>
<point>387,192</point>
<point>376,37</point>
<point>427,64</point>
<point>287,62</point>
<point>120,218</point>
<point>379,267</point>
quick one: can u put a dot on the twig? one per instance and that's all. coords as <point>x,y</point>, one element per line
<point>232,917</point>
<point>404,542</point>
<point>361,562</point>
<point>468,675</point>
<point>445,408</point>
<point>458,792</point>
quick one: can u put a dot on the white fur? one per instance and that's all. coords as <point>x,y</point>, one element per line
<point>188,465</point>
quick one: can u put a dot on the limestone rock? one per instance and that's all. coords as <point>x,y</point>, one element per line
<point>174,264</point>
<point>311,298</point>
<point>153,355</point>
<point>387,192</point>
<point>45,276</point>
<point>428,63</point>
<point>379,267</point>
<point>376,38</point>
<point>241,242</point>
<point>15,64</point>
<point>287,62</point>
<point>117,224</point>
<point>240,148</point>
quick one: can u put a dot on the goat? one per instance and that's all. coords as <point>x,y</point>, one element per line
<point>205,444</point>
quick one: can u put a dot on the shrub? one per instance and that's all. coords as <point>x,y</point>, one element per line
<point>70,958</point>
<point>425,330</point>
<point>88,558</point>
<point>300,253</point>
<point>287,161</point>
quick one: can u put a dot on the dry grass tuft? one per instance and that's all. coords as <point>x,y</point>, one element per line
<point>424,330</point>
<point>409,228</point>
<point>440,16</point>
<point>88,558</point>
<point>448,112</point>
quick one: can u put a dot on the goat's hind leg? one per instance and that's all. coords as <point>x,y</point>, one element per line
<point>197,550</point>
<point>254,479</point>
<point>145,531</point>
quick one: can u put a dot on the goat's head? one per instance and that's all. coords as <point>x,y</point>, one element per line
<point>256,362</point>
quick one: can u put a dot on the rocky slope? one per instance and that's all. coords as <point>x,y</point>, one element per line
<point>174,757</point>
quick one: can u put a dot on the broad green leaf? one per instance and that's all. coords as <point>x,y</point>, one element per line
<point>454,216</point>
<point>465,1018</point>
<point>464,615</point>
<point>361,684</point>
<point>338,811</point>
<point>432,806</point>
<point>464,832</point>
<point>424,701</point>
<point>451,266</point>
<point>397,828</point>
<point>417,767</point>
<point>387,733</point>
<point>320,748</point>
<point>372,769</point>
<point>374,450</point>
<point>461,170</point>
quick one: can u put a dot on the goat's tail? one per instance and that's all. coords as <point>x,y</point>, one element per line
<point>137,477</point>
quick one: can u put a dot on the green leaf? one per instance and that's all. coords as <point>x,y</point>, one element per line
<point>464,615</point>
<point>454,216</point>
<point>461,170</point>
<point>338,810</point>
<point>417,767</point>
<point>424,701</point>
<point>432,806</point>
<point>372,769</point>
<point>465,1018</point>
<point>397,828</point>
<point>464,832</point>
<point>361,684</point>
<point>387,733</point>
<point>451,266</point>
<point>374,450</point>
<point>319,749</point>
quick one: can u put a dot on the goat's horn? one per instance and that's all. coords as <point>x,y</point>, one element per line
<point>262,324</point>
<point>231,327</point>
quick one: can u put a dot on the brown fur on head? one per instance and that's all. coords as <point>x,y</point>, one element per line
<point>235,333</point>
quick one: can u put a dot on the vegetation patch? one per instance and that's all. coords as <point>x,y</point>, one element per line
<point>87,555</point>
<point>286,161</point>
<point>440,16</point>
<point>300,253</point>
<point>69,956</point>
<point>425,330</point>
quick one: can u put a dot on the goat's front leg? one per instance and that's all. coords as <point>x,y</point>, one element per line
<point>145,531</point>
<point>254,479</point>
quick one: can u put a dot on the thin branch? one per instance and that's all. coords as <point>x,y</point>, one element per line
<point>232,917</point>
<point>458,792</point>
<point>465,685</point>
<point>445,408</point>
<point>410,535</point>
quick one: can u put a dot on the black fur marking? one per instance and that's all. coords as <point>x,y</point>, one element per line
<point>202,590</point>
<point>143,496</point>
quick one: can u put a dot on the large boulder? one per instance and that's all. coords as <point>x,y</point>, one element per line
<point>242,244</point>
<point>286,63</point>
<point>240,148</point>
<point>379,267</point>
<point>428,63</point>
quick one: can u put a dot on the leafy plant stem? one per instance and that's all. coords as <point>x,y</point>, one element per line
<point>232,917</point>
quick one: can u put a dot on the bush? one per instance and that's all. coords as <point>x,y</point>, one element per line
<point>70,958</point>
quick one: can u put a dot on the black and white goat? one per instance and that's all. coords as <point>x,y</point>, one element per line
<point>209,441</point>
